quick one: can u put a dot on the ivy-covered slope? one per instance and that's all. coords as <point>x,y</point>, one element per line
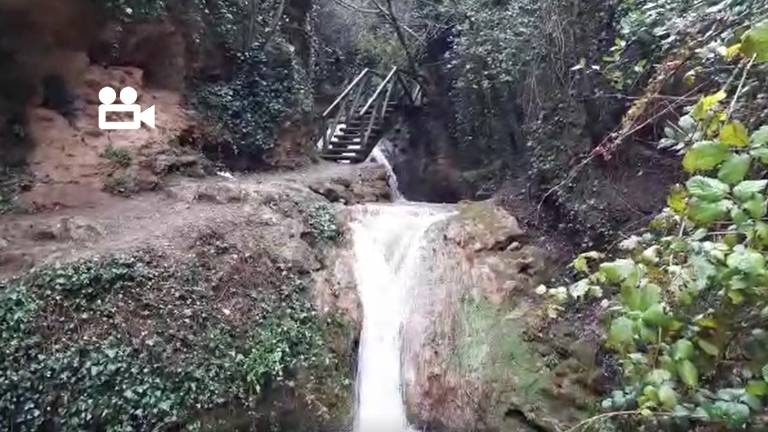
<point>684,303</point>
<point>228,316</point>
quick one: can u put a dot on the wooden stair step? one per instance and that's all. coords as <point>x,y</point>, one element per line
<point>342,157</point>
<point>342,148</point>
<point>350,153</point>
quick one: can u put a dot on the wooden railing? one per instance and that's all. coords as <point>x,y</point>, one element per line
<point>356,103</point>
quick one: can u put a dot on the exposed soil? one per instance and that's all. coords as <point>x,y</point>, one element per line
<point>164,218</point>
<point>67,159</point>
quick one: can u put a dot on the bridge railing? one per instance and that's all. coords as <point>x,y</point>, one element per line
<point>356,101</point>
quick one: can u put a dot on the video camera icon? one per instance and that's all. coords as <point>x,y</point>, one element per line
<point>128,98</point>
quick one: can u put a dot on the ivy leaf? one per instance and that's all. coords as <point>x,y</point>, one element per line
<point>760,154</point>
<point>688,373</point>
<point>755,207</point>
<point>761,230</point>
<point>658,376</point>
<point>757,388</point>
<point>734,414</point>
<point>650,295</point>
<point>655,315</point>
<point>760,136</point>
<point>746,260</point>
<point>682,350</point>
<point>734,134</point>
<point>676,199</point>
<point>667,396</point>
<point>708,347</point>
<point>581,264</point>
<point>739,216</point>
<point>755,42</point>
<point>731,51</point>
<point>705,155</point>
<point>620,271</point>
<point>734,169</point>
<point>746,189</point>
<point>705,104</point>
<point>707,188</point>
<point>621,333</point>
<point>705,212</point>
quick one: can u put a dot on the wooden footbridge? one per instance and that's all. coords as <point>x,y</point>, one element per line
<point>360,116</point>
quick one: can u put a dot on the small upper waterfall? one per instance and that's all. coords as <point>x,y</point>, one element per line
<point>388,242</point>
<point>379,155</point>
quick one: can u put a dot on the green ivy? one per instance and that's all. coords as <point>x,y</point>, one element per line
<point>323,224</point>
<point>133,10</point>
<point>688,316</point>
<point>53,371</point>
<point>248,110</point>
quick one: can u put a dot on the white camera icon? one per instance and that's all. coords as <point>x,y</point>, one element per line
<point>128,97</point>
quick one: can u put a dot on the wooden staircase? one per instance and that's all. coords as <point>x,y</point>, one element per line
<point>360,116</point>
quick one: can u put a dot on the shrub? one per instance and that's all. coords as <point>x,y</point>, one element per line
<point>120,156</point>
<point>248,110</point>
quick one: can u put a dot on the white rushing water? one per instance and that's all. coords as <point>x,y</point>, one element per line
<point>389,240</point>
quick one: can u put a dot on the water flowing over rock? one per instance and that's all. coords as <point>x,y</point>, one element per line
<point>471,359</point>
<point>449,322</point>
<point>389,242</point>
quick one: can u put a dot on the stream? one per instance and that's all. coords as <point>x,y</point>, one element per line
<point>389,242</point>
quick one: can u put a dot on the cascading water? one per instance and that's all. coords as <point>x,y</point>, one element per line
<point>389,241</point>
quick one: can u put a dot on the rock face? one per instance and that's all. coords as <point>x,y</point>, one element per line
<point>369,185</point>
<point>473,359</point>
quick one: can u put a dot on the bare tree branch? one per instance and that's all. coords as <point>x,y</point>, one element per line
<point>272,29</point>
<point>350,6</point>
<point>389,14</point>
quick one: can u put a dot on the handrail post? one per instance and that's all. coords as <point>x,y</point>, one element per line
<point>378,91</point>
<point>346,92</point>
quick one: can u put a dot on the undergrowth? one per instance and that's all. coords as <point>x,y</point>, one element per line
<point>85,346</point>
<point>120,156</point>
<point>686,304</point>
<point>323,224</point>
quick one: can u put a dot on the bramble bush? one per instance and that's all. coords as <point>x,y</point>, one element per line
<point>688,302</point>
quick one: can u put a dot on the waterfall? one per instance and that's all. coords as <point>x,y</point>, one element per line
<point>389,244</point>
<point>389,240</point>
<point>379,155</point>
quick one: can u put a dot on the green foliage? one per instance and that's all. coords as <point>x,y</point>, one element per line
<point>690,294</point>
<point>121,183</point>
<point>649,30</point>
<point>323,224</point>
<point>755,42</point>
<point>292,338</point>
<point>67,357</point>
<point>248,110</point>
<point>118,155</point>
<point>133,10</point>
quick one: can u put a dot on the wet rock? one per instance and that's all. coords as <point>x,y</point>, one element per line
<point>484,226</point>
<point>368,184</point>
<point>331,191</point>
<point>475,361</point>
